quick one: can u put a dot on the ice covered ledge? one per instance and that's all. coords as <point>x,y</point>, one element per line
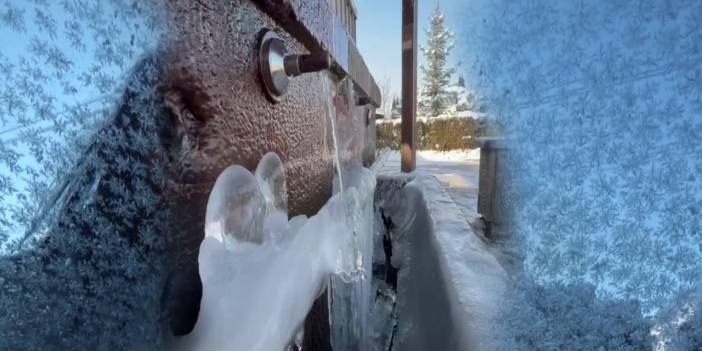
<point>449,284</point>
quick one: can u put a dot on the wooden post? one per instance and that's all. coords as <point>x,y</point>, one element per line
<point>408,142</point>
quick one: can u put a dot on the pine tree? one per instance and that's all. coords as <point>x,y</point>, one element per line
<point>433,100</point>
<point>396,110</point>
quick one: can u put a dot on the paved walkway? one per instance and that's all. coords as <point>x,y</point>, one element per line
<point>458,177</point>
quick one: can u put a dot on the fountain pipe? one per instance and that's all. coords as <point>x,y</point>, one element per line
<point>277,66</point>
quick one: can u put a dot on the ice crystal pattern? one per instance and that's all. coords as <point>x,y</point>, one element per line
<point>602,102</point>
<point>81,176</point>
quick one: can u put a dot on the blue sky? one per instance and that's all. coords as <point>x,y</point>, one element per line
<point>378,35</point>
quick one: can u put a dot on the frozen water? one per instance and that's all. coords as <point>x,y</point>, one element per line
<point>332,118</point>
<point>236,208</point>
<point>270,175</point>
<point>383,317</point>
<point>350,297</point>
<point>257,287</point>
<point>349,294</point>
<point>247,208</point>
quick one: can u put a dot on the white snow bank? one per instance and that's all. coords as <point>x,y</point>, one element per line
<point>460,114</point>
<point>450,156</point>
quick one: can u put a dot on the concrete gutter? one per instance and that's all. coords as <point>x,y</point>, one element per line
<point>450,285</point>
<point>476,280</point>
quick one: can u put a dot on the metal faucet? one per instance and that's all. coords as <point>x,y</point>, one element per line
<point>277,66</point>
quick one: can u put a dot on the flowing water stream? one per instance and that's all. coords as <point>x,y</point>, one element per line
<point>326,88</point>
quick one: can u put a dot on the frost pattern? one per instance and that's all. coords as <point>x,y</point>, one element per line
<point>83,165</point>
<point>602,101</point>
<point>63,78</point>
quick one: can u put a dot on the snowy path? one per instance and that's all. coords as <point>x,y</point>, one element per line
<point>457,172</point>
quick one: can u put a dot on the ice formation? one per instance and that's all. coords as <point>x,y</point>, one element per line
<point>350,295</point>
<point>261,272</point>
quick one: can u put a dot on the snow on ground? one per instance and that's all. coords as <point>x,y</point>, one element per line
<point>450,156</point>
<point>460,114</point>
<point>456,170</point>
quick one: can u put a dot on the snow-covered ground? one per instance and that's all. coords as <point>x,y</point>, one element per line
<point>470,155</point>
<point>457,171</point>
<point>461,114</point>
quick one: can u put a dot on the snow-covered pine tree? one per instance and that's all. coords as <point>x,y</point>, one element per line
<point>432,101</point>
<point>396,110</point>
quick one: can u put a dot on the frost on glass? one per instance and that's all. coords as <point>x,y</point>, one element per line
<point>602,105</point>
<point>82,171</point>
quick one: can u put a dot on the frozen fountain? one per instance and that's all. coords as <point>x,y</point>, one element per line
<point>257,266</point>
<point>261,272</point>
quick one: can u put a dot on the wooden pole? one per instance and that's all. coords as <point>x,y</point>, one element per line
<point>408,142</point>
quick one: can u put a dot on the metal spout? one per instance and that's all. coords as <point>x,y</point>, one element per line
<point>277,66</point>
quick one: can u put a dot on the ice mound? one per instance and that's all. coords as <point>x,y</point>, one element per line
<point>261,272</point>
